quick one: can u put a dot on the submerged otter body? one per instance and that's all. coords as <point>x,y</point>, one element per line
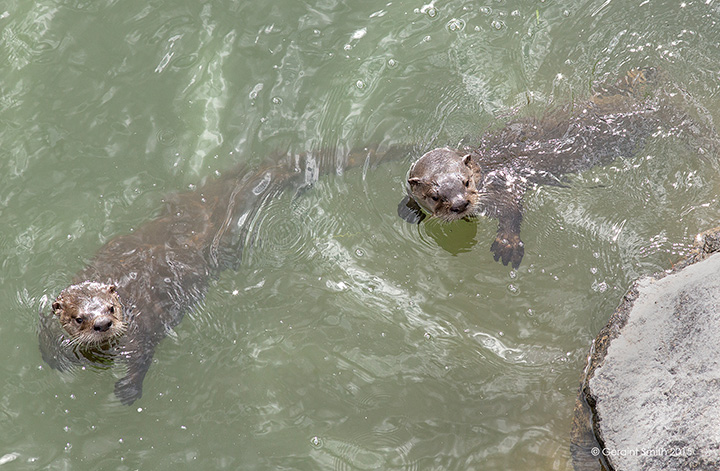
<point>490,179</point>
<point>138,285</point>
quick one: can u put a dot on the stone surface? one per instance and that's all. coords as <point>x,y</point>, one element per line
<point>653,378</point>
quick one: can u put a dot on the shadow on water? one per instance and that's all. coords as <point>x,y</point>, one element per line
<point>455,238</point>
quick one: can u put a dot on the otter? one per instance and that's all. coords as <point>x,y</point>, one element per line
<point>138,285</point>
<point>491,178</point>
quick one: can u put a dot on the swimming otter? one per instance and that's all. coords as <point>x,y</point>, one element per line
<point>138,285</point>
<point>490,179</point>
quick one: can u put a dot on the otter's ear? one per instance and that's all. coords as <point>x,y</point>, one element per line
<point>467,160</point>
<point>112,288</point>
<point>414,181</point>
<point>56,306</point>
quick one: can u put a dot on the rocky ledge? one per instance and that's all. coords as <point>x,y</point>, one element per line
<point>650,398</point>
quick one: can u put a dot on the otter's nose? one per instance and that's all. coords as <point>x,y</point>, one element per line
<point>459,205</point>
<point>102,325</point>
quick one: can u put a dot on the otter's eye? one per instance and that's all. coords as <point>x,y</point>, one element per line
<point>79,320</point>
<point>111,309</point>
<point>466,183</point>
<point>434,197</point>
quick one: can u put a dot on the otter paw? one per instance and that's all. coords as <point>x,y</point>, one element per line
<point>410,211</point>
<point>509,248</point>
<point>127,390</point>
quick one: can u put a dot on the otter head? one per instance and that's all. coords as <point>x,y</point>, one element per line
<point>443,182</point>
<point>91,313</point>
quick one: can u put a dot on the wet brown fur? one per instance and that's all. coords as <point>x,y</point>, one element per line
<point>490,179</point>
<point>91,313</point>
<point>138,285</point>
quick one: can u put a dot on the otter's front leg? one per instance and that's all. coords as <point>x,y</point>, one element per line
<point>129,388</point>
<point>507,245</point>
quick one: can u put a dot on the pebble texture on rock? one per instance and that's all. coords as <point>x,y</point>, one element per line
<point>655,394</point>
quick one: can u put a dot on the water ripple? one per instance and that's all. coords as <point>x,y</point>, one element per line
<point>379,449</point>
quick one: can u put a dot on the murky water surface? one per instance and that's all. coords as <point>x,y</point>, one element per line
<point>346,339</point>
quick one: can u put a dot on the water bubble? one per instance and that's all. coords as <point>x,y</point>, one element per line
<point>7,458</point>
<point>431,11</point>
<point>316,442</point>
<point>600,287</point>
<point>566,13</point>
<point>456,24</point>
<point>497,24</point>
<point>427,336</point>
<point>166,137</point>
<point>359,33</point>
<point>183,62</point>
<point>256,89</point>
<point>360,84</point>
<point>392,63</point>
<point>359,252</point>
<point>277,100</point>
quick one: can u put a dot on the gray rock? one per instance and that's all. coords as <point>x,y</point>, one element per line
<point>653,380</point>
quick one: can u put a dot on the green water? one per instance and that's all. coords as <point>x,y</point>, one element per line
<point>346,339</point>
